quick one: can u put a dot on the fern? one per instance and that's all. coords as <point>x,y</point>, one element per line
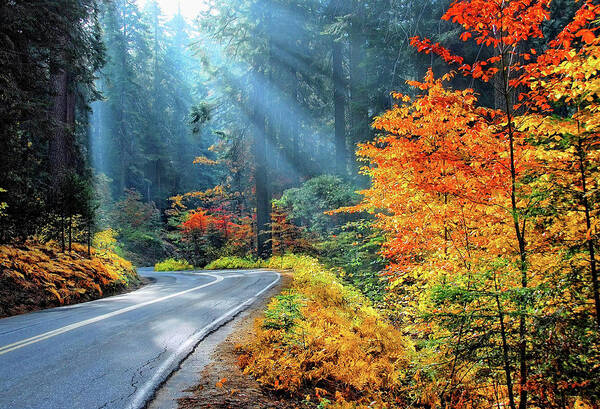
<point>40,276</point>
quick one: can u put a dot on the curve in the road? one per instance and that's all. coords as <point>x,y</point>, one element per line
<point>146,392</point>
<point>32,340</point>
<point>115,352</point>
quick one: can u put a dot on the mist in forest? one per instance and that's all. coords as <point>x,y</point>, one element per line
<point>296,83</point>
<point>140,133</point>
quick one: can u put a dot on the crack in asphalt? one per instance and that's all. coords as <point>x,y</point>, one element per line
<point>134,383</point>
<point>211,328</point>
<point>188,355</point>
<point>138,373</point>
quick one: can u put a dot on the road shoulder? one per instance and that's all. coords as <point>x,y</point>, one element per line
<point>194,383</point>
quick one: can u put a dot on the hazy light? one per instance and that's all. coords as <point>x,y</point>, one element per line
<point>189,8</point>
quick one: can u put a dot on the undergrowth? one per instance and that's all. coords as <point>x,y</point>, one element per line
<point>287,262</point>
<point>171,264</point>
<point>232,262</point>
<point>34,276</point>
<point>323,341</point>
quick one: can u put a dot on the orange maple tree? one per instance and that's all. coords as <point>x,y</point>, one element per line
<point>200,222</point>
<point>465,192</point>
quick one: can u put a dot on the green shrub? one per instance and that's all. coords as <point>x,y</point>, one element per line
<point>288,261</point>
<point>306,204</point>
<point>284,312</point>
<point>171,264</point>
<point>355,250</point>
<point>232,262</point>
<point>139,228</point>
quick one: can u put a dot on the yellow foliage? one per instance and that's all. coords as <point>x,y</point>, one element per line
<point>341,348</point>
<point>171,264</point>
<point>35,276</point>
<point>216,193</point>
<point>105,240</point>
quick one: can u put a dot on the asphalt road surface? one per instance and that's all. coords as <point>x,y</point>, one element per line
<point>113,353</point>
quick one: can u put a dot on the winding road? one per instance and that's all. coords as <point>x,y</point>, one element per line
<point>113,353</point>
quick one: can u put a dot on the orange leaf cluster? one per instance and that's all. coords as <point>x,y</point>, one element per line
<point>200,222</point>
<point>36,276</point>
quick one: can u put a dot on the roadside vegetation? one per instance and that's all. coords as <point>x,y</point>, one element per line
<point>323,341</point>
<point>35,276</point>
<point>232,262</point>
<point>171,264</point>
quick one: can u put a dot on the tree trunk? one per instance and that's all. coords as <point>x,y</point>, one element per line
<point>70,233</point>
<point>296,131</point>
<point>505,356</point>
<point>122,138</point>
<point>359,115</point>
<point>61,140</point>
<point>359,108</point>
<point>588,224</point>
<point>263,202</point>
<point>519,227</point>
<point>59,145</point>
<point>62,233</point>
<point>339,100</point>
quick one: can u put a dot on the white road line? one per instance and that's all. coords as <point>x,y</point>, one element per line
<point>20,344</point>
<point>254,272</point>
<point>146,391</point>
